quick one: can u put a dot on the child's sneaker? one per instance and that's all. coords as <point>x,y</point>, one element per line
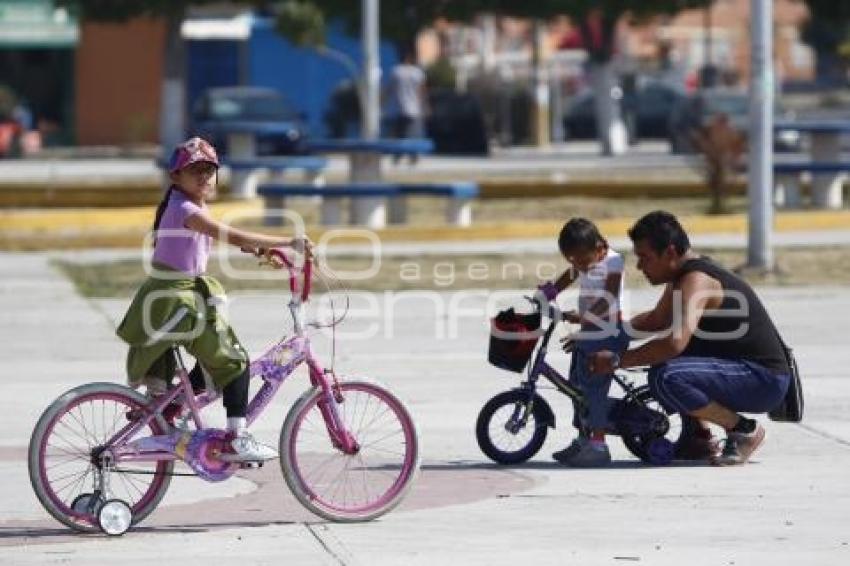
<point>564,456</point>
<point>739,447</point>
<point>590,455</point>
<point>247,449</point>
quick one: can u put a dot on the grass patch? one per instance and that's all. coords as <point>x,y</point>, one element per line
<point>797,266</point>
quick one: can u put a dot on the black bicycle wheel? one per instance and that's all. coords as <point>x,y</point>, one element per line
<point>508,430</point>
<point>677,427</point>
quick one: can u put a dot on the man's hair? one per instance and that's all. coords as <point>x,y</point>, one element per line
<point>661,229</point>
<point>579,234</point>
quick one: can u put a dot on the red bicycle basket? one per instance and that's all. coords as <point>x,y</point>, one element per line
<point>513,337</point>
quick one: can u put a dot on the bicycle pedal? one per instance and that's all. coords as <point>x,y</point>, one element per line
<point>250,465</point>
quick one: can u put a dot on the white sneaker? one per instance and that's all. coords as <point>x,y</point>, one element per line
<point>247,449</point>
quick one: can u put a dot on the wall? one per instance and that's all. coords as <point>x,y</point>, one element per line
<point>119,69</point>
<point>306,78</point>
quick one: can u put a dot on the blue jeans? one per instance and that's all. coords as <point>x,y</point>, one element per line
<point>685,384</point>
<point>595,387</point>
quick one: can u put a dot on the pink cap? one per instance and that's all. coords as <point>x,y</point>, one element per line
<point>191,151</point>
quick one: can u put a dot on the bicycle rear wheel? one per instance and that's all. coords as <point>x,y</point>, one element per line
<point>677,427</point>
<point>63,470</point>
<point>350,487</point>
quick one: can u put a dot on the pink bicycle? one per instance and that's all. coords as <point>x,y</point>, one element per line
<point>102,455</point>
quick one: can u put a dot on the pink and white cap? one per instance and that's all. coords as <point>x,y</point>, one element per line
<point>191,151</point>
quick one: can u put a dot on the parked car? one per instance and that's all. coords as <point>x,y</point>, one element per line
<point>699,109</point>
<point>455,121</point>
<point>218,107</point>
<point>646,112</point>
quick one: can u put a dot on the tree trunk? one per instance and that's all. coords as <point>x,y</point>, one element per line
<point>717,177</point>
<point>172,114</point>
<point>610,128</point>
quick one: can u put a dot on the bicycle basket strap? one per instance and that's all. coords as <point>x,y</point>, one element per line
<point>790,410</point>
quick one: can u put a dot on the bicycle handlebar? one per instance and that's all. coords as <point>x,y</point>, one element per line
<point>307,271</point>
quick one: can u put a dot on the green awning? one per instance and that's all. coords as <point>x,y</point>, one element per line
<point>36,23</point>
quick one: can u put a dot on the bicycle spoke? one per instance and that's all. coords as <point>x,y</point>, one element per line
<point>92,415</point>
<point>360,485</point>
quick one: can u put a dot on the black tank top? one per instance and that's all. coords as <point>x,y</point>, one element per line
<point>740,329</point>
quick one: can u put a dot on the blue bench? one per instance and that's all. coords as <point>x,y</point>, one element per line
<point>788,181</point>
<point>458,209</point>
<point>246,173</point>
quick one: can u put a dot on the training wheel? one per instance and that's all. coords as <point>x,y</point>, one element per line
<point>660,451</point>
<point>114,517</point>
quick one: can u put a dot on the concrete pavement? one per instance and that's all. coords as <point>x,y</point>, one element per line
<point>790,506</point>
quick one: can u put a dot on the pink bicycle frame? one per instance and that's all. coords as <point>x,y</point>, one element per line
<point>274,367</point>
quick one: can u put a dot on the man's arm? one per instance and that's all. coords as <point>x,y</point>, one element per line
<point>658,318</point>
<point>693,296</point>
<point>695,292</point>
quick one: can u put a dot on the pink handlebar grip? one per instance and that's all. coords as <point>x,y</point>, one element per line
<point>307,271</point>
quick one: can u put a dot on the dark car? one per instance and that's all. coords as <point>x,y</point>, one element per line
<point>219,107</point>
<point>455,121</point>
<point>699,109</point>
<point>646,112</point>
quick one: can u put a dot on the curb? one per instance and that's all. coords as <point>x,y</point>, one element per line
<point>141,193</point>
<point>128,227</point>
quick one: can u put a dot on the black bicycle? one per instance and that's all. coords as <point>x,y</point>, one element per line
<point>512,426</point>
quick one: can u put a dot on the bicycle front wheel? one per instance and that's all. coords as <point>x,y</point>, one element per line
<point>350,487</point>
<point>63,465</point>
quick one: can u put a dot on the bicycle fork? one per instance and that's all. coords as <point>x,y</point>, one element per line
<point>329,405</point>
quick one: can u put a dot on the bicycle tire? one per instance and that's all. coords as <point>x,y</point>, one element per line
<point>638,444</point>
<point>528,448</point>
<point>302,453</point>
<point>83,400</point>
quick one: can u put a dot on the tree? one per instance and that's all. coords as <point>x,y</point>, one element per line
<point>722,147</point>
<point>596,19</point>
<point>172,122</point>
<point>827,28</point>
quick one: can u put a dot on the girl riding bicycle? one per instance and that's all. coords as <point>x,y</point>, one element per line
<point>178,305</point>
<point>599,270</point>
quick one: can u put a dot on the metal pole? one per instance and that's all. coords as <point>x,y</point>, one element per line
<point>760,176</point>
<point>540,83</point>
<point>708,76</point>
<point>371,68</point>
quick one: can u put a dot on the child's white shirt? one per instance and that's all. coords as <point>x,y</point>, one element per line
<point>592,283</point>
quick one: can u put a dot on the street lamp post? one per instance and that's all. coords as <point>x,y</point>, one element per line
<point>760,176</point>
<point>371,69</point>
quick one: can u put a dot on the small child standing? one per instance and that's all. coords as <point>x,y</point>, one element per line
<point>179,305</point>
<point>599,270</point>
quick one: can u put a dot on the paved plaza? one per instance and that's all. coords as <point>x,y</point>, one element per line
<point>790,506</point>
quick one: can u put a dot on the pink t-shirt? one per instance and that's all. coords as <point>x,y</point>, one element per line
<point>179,247</point>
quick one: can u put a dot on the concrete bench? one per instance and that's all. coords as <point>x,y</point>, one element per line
<point>824,195</point>
<point>458,208</point>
